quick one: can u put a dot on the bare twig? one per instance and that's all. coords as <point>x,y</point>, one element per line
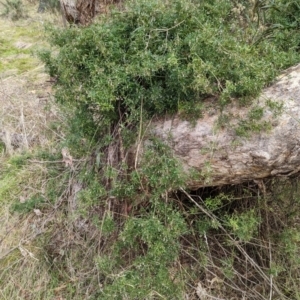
<point>234,242</point>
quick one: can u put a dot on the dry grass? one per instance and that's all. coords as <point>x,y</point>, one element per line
<point>26,114</point>
<point>26,107</point>
<point>22,271</point>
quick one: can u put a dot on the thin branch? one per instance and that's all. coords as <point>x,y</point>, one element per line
<point>241,249</point>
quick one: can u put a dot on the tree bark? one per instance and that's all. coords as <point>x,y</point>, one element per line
<point>69,11</point>
<point>218,156</point>
<point>87,11</point>
<point>83,11</point>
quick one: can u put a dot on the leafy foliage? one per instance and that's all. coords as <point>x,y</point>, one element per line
<point>166,56</point>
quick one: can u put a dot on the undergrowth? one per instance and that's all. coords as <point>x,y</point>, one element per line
<point>105,222</point>
<point>144,239</point>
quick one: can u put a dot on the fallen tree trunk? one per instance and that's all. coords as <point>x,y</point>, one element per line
<point>219,156</point>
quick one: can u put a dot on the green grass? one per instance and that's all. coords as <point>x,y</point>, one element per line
<point>22,65</point>
<point>11,179</point>
<point>12,36</point>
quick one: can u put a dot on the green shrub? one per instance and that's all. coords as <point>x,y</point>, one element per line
<point>164,56</point>
<point>159,57</point>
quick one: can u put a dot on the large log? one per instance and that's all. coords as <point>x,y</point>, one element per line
<point>219,156</point>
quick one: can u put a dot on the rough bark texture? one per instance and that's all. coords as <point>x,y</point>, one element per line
<point>69,11</point>
<point>83,11</point>
<point>221,157</point>
<point>86,11</point>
